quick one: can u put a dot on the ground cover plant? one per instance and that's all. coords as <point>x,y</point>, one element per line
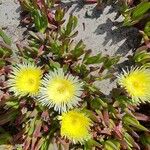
<point>48,99</point>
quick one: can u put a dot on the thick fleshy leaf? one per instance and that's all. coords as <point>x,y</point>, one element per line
<point>145,139</point>
<point>78,50</point>
<point>142,57</point>
<point>59,14</point>
<point>112,145</point>
<point>131,121</point>
<point>71,25</point>
<point>141,9</point>
<point>147,29</point>
<point>6,39</point>
<point>90,144</point>
<point>94,59</point>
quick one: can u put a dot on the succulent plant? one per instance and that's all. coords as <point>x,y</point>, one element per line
<point>49,99</point>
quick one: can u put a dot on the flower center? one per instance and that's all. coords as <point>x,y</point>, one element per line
<point>30,81</point>
<point>135,84</point>
<point>74,121</point>
<point>75,126</point>
<point>61,89</point>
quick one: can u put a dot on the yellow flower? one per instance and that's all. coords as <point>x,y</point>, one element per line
<point>60,91</point>
<point>25,80</point>
<point>137,84</point>
<point>75,126</point>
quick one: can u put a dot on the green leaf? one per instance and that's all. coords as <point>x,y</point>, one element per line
<point>142,57</point>
<point>127,19</point>
<point>97,103</point>
<point>6,39</point>
<point>131,121</point>
<point>26,5</point>
<point>112,145</point>
<point>13,104</point>
<point>147,28</point>
<point>2,63</point>
<point>71,25</point>
<point>32,127</point>
<point>140,10</point>
<point>145,139</point>
<point>94,59</point>
<point>5,50</point>
<point>5,138</point>
<point>91,143</point>
<point>79,49</point>
<point>40,20</point>
<point>124,100</point>
<point>89,113</point>
<point>111,61</point>
<point>54,64</point>
<point>87,54</point>
<point>56,48</point>
<point>130,141</point>
<point>2,52</point>
<point>147,65</point>
<point>82,70</point>
<point>59,14</point>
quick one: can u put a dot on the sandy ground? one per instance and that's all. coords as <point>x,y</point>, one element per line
<point>102,32</point>
<point>9,19</point>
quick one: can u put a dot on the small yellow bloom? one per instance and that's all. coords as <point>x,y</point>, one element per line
<point>137,84</point>
<point>75,126</point>
<point>25,80</point>
<point>60,91</point>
